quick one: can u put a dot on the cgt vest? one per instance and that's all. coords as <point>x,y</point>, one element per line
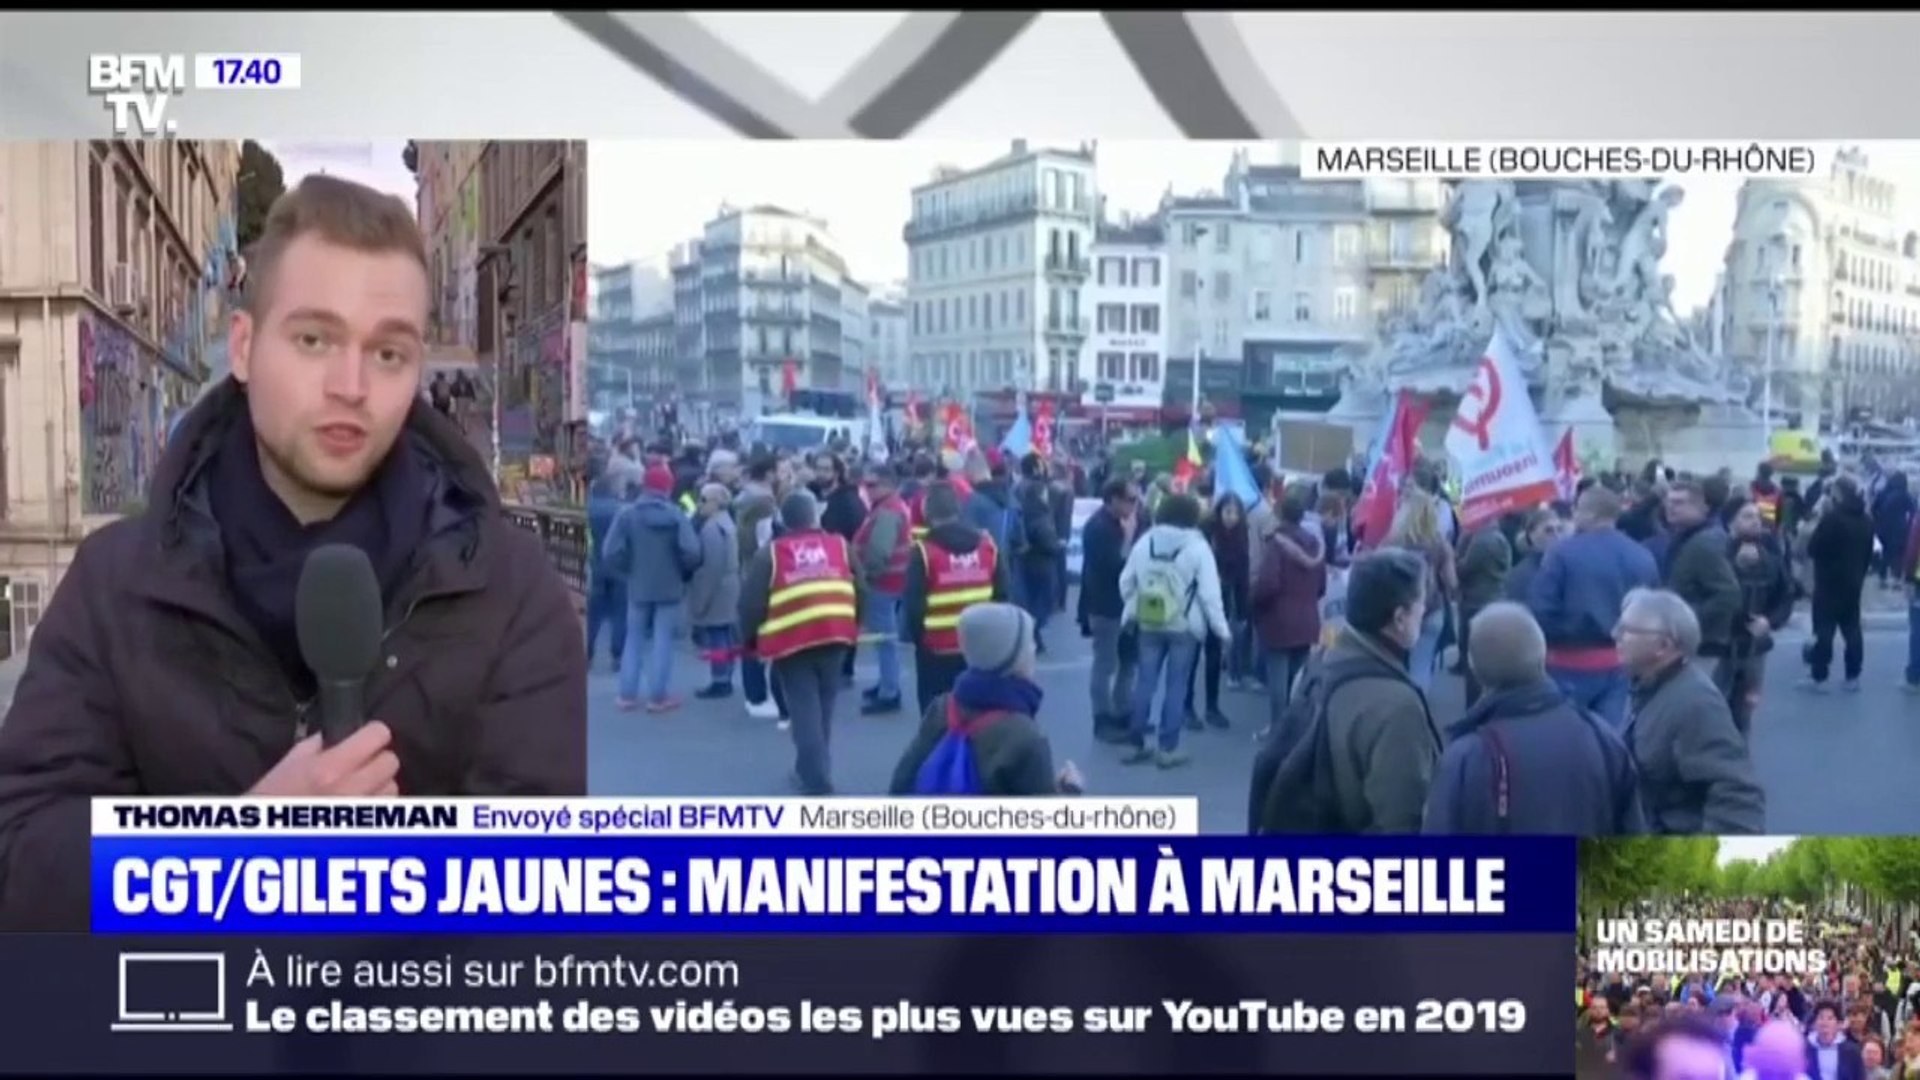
<point>893,581</point>
<point>917,515</point>
<point>955,582</point>
<point>810,601</point>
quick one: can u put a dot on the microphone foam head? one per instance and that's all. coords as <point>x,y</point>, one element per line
<point>338,614</point>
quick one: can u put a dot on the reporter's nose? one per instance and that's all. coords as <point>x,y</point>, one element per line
<point>346,378</point>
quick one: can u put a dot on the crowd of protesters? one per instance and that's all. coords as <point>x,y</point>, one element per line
<point>1615,640</point>
<point>1856,1019</point>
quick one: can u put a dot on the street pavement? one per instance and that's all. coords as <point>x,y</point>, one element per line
<point>1831,763</point>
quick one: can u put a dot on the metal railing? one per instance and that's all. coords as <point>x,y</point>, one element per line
<point>563,533</point>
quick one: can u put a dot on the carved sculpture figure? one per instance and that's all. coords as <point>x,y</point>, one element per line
<point>1476,215</point>
<point>1589,304</point>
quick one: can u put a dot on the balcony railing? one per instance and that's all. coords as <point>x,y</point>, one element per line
<point>774,278</point>
<point>1067,327</point>
<point>1071,265</point>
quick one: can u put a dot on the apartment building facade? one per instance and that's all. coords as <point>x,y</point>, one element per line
<point>1822,288</point>
<point>1270,287</point>
<point>1122,370</point>
<point>531,315</point>
<point>998,264</point>
<point>116,261</point>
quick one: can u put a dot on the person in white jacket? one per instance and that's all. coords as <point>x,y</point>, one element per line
<point>1170,592</point>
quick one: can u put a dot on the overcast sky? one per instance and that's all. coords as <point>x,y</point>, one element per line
<point>375,163</point>
<point>1750,848</point>
<point>646,196</point>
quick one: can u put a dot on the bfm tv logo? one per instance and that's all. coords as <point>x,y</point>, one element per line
<point>136,88</point>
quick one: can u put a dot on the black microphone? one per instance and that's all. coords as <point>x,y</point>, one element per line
<point>337,616</point>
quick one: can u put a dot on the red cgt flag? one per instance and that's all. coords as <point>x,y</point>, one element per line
<point>1373,514</point>
<point>789,378</point>
<point>1566,467</point>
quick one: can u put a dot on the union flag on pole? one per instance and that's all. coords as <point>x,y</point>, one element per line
<point>1188,467</point>
<point>1043,429</point>
<point>1496,440</point>
<point>1566,467</point>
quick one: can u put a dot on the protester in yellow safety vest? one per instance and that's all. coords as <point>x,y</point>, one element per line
<point>689,503</point>
<point>1765,495</point>
<point>798,612</point>
<point>954,567</point>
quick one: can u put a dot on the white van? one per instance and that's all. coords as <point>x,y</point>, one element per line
<point>803,433</point>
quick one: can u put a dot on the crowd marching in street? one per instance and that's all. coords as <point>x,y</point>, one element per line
<point>1612,633</point>
<point>1856,1019</point>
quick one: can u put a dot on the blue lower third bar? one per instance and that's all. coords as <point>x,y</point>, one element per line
<point>824,885</point>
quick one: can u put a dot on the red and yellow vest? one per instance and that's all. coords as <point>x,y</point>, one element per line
<point>955,583</point>
<point>917,514</point>
<point>1767,504</point>
<point>810,601</point>
<point>894,580</point>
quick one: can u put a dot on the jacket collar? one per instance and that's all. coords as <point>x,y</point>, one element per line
<point>1513,703</point>
<point>179,528</point>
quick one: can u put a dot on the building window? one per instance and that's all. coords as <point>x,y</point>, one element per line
<point>1222,285</point>
<point>1346,244</point>
<point>1299,246</point>
<point>1146,319</point>
<point>1222,236</point>
<point>1189,284</point>
<point>1111,318</point>
<point>1302,307</point>
<point>1190,233</point>
<point>1345,305</point>
<point>1145,367</point>
<point>1111,366</point>
<point>1262,305</point>
<point>1146,273</point>
<point>1113,271</point>
<point>1020,307</point>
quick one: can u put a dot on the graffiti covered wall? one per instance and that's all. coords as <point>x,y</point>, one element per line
<point>125,403</point>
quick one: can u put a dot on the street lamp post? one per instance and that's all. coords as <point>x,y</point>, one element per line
<point>1200,233</point>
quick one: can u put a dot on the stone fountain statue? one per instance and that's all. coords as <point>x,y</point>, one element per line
<point>1571,271</point>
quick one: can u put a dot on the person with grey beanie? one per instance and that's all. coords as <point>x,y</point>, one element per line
<point>798,605</point>
<point>995,701</point>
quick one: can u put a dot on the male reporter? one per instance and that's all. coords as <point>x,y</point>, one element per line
<point>167,662</point>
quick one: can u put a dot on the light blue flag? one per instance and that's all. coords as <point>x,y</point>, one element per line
<point>1231,473</point>
<point>1019,437</point>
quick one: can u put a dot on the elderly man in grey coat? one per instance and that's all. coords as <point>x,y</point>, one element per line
<point>713,596</point>
<point>1696,774</point>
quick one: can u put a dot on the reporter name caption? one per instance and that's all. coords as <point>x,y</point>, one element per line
<point>575,999</point>
<point>403,882</point>
<point>644,817</point>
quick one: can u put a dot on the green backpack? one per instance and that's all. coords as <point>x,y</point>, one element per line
<point>1160,603</point>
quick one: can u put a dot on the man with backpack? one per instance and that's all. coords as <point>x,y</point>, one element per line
<point>1525,759</point>
<point>954,567</point>
<point>799,613</point>
<point>981,738</point>
<point>1357,749</point>
<point>1170,589</point>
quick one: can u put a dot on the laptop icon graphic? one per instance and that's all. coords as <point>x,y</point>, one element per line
<point>173,991</point>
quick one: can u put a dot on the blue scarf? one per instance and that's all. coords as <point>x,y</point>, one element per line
<point>981,691</point>
<point>267,547</point>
